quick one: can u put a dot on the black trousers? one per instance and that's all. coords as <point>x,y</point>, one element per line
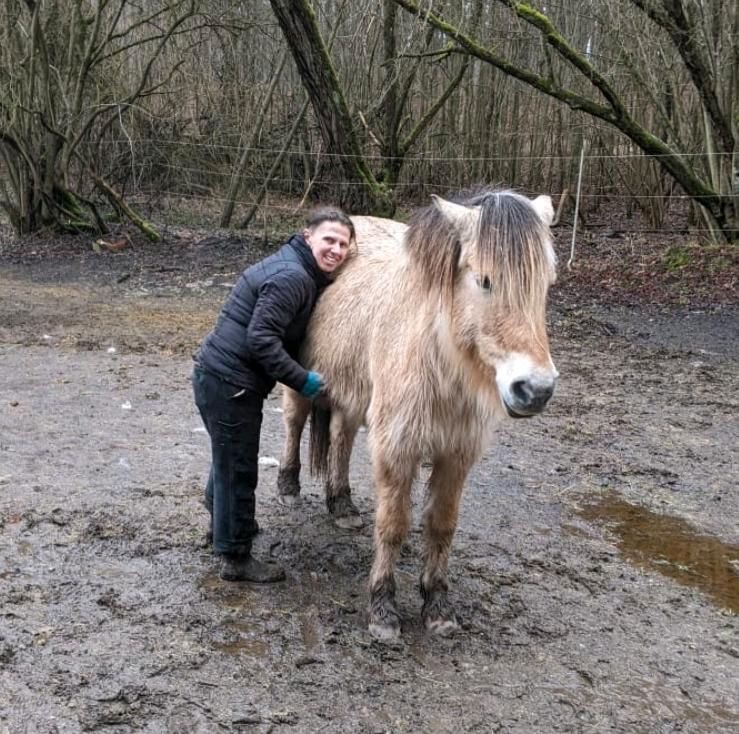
<point>233,419</point>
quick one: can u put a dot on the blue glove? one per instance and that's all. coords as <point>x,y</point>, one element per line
<point>313,385</point>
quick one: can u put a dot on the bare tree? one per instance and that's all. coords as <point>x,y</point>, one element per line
<point>382,118</point>
<point>398,84</point>
<point>60,87</point>
<point>604,102</point>
<point>298,22</point>
<point>247,152</point>
<point>107,103</point>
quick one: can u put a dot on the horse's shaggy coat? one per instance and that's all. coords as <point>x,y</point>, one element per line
<point>431,334</point>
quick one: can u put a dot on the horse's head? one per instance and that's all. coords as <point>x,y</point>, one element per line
<point>503,266</point>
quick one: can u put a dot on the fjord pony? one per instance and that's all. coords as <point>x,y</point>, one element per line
<point>430,334</point>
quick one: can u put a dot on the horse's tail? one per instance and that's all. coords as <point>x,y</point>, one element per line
<point>320,439</point>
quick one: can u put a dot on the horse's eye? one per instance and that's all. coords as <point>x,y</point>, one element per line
<point>485,284</point>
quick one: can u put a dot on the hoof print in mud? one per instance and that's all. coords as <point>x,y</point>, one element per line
<point>441,627</point>
<point>348,522</point>
<point>289,500</point>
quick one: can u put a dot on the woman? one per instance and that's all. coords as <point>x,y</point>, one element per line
<point>254,345</point>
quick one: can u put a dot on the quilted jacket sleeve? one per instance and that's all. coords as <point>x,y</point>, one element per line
<point>281,299</point>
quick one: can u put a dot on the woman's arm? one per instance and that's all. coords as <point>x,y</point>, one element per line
<point>280,300</point>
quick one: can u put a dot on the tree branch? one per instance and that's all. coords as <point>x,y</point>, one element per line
<point>646,141</point>
<point>542,23</point>
<point>572,99</point>
<point>426,120</point>
<point>299,26</point>
<point>671,18</point>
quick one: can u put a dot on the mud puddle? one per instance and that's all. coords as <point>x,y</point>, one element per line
<point>672,547</point>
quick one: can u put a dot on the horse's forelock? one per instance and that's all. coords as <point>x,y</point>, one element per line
<point>511,247</point>
<point>513,250</point>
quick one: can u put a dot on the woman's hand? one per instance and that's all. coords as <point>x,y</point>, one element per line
<point>314,384</point>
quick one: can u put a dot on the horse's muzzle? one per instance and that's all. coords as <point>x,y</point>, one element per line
<point>528,398</point>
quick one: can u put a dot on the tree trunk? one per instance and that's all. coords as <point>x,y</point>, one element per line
<point>363,192</point>
<point>275,165</point>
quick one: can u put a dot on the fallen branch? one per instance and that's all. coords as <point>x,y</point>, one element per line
<point>150,232</point>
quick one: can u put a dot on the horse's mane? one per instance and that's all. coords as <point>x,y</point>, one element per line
<point>510,247</point>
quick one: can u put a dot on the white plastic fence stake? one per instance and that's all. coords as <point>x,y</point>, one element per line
<point>588,56</point>
<point>577,205</point>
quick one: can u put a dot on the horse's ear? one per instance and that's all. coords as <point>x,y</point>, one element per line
<point>462,218</point>
<point>543,207</point>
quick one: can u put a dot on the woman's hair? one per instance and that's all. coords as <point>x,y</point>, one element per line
<point>328,214</point>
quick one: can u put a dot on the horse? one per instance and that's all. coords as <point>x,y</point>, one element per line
<point>431,334</point>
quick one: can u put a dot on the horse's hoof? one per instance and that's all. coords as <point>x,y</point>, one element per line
<point>344,512</point>
<point>349,522</point>
<point>289,500</point>
<point>442,627</point>
<point>384,620</point>
<point>288,482</point>
<point>385,631</point>
<point>438,613</point>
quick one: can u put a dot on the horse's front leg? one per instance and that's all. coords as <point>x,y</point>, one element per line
<point>295,413</point>
<point>439,523</point>
<point>392,521</point>
<point>338,492</point>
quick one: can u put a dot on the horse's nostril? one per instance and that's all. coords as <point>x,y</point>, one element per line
<point>530,395</point>
<point>523,392</point>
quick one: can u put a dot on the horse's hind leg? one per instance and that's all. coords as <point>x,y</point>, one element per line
<point>439,523</point>
<point>338,492</point>
<point>392,522</point>
<point>295,413</point>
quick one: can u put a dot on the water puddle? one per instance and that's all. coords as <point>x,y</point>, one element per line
<point>235,635</point>
<point>230,596</point>
<point>672,547</point>
<point>240,639</point>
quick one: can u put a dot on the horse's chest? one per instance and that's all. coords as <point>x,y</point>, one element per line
<point>458,423</point>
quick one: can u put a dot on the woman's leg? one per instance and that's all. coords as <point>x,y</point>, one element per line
<point>233,418</point>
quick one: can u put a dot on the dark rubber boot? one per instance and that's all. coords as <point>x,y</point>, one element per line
<point>248,568</point>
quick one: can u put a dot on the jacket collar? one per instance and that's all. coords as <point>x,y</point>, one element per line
<point>303,251</point>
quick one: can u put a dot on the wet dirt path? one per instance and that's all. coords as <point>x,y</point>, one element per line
<point>112,617</point>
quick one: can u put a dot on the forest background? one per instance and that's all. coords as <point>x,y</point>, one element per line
<point>218,112</point>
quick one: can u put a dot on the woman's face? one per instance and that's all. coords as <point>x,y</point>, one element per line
<point>329,243</point>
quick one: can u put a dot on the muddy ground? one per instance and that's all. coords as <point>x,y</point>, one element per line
<point>595,569</point>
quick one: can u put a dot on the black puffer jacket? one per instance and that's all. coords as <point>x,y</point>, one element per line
<point>259,330</point>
